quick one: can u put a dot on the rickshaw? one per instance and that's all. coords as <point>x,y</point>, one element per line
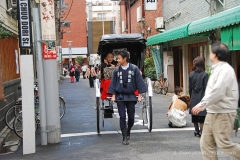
<point>135,45</point>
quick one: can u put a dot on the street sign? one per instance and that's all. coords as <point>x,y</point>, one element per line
<point>24,24</point>
<point>150,5</point>
<point>49,50</point>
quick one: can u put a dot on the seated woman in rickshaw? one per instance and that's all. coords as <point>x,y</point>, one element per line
<point>107,68</point>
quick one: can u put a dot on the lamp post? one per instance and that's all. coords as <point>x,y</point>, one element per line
<point>70,52</point>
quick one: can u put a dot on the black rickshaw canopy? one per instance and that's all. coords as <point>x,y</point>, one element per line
<point>133,43</point>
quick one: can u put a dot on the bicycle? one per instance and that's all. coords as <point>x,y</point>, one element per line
<point>17,123</point>
<point>12,112</point>
<point>161,85</point>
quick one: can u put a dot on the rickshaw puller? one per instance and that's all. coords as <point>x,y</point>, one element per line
<point>125,81</point>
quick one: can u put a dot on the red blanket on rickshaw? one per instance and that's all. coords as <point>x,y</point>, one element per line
<point>105,83</point>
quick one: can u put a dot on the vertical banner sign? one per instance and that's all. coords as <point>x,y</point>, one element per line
<point>150,5</point>
<point>47,20</point>
<point>24,24</point>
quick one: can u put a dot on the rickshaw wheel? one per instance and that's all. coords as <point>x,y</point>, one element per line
<point>149,112</point>
<point>98,110</point>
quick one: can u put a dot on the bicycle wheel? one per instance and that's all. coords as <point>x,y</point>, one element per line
<point>18,125</point>
<point>148,111</point>
<point>11,114</point>
<point>62,107</point>
<point>157,87</point>
<point>98,118</point>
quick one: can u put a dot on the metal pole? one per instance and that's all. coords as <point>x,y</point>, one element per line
<point>51,79</point>
<point>102,18</point>
<point>42,107</point>
<point>113,8</point>
<point>68,55</point>
<point>71,53</point>
<point>129,18</point>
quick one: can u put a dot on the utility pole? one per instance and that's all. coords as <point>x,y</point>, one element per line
<point>50,71</point>
<point>37,42</point>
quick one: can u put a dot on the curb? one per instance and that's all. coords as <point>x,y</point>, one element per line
<point>4,134</point>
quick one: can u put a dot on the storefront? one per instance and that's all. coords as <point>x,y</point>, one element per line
<point>186,42</point>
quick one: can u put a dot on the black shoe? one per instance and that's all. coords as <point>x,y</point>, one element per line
<point>197,133</point>
<point>128,133</point>
<point>124,134</point>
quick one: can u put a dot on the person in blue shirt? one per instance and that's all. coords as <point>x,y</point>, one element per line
<point>126,79</point>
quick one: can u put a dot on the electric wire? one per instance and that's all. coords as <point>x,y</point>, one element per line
<point>68,10</point>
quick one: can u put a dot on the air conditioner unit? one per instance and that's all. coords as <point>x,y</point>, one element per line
<point>139,14</point>
<point>159,23</point>
<point>124,28</point>
<point>13,3</point>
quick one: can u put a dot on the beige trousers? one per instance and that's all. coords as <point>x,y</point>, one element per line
<point>216,132</point>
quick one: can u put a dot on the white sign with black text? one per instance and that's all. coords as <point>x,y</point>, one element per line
<point>48,20</point>
<point>24,26</point>
<point>150,5</point>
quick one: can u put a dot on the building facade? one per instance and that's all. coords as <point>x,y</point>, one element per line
<point>190,28</point>
<point>74,30</point>
<point>9,57</point>
<point>103,17</point>
<point>135,19</point>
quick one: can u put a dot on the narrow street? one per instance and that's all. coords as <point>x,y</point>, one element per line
<point>81,141</point>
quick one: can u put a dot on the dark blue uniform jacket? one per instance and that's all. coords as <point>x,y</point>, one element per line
<point>135,82</point>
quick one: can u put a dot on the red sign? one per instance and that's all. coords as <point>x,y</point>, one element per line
<point>48,53</point>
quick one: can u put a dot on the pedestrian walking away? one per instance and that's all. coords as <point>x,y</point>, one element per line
<point>77,71</point>
<point>197,85</point>
<point>72,73</point>
<point>126,79</point>
<point>221,102</point>
<point>91,75</point>
<point>84,70</point>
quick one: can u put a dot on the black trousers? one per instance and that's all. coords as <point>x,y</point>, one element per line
<point>91,79</point>
<point>77,75</point>
<point>130,106</point>
<point>84,72</point>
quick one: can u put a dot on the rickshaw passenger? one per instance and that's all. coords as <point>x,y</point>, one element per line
<point>125,81</point>
<point>107,68</point>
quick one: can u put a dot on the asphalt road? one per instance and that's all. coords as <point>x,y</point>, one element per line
<point>80,140</point>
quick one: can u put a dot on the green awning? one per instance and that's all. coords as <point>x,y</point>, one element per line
<point>231,36</point>
<point>222,19</point>
<point>169,35</point>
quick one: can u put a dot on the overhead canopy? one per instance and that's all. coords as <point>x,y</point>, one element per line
<point>133,43</point>
<point>108,42</point>
<point>222,19</point>
<point>176,33</point>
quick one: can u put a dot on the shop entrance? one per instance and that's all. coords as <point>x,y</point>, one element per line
<point>178,67</point>
<point>194,50</point>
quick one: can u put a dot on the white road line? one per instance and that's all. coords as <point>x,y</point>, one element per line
<point>132,131</point>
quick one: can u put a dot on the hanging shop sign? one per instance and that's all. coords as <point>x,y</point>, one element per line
<point>49,50</point>
<point>47,20</point>
<point>150,5</point>
<point>24,24</point>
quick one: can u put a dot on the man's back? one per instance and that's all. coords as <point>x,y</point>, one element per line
<point>222,90</point>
